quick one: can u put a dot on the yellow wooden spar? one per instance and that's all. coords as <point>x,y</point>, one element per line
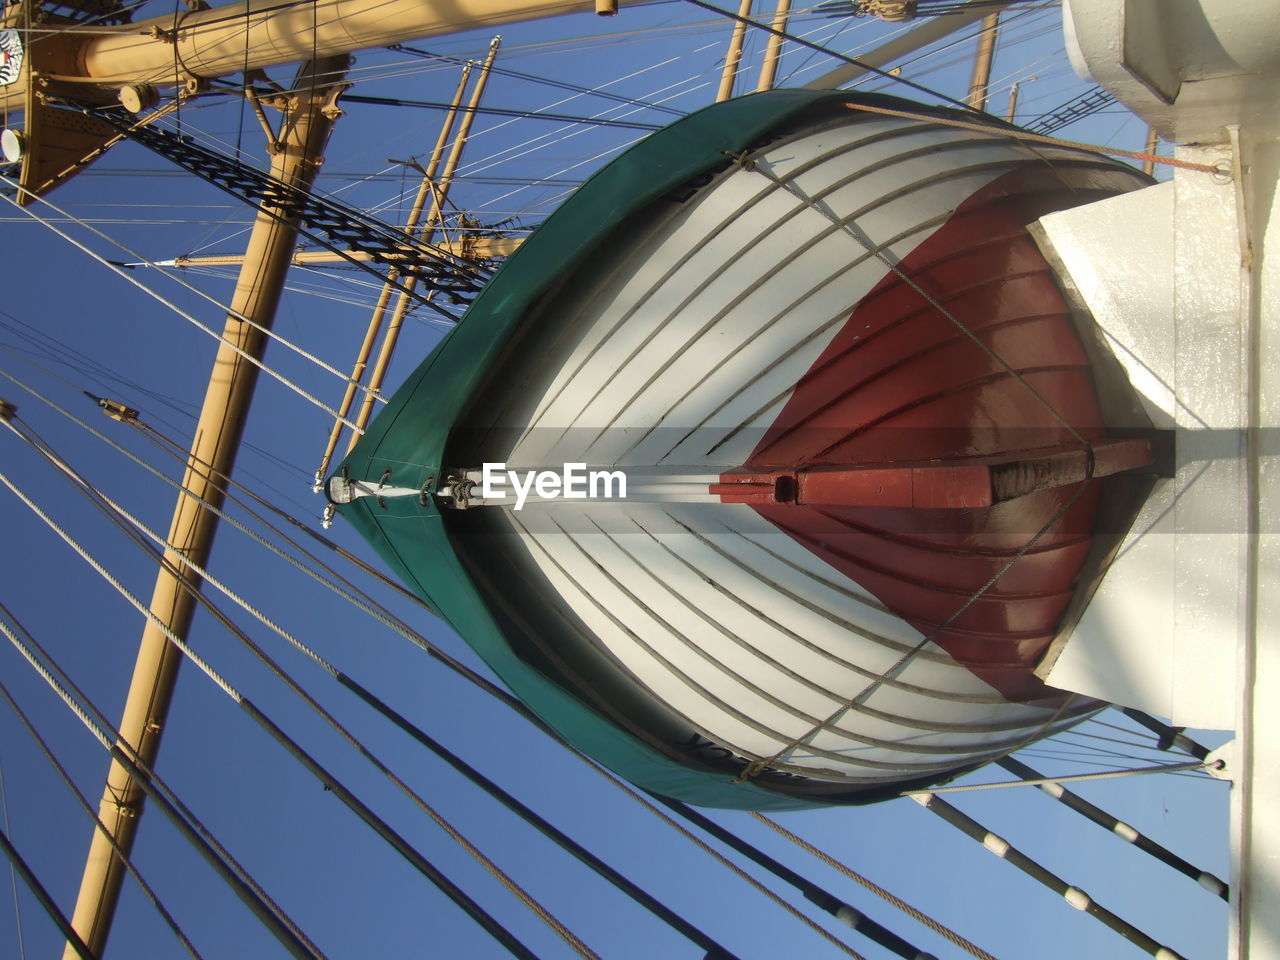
<point>304,130</point>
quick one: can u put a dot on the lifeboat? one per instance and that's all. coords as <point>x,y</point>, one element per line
<point>874,459</point>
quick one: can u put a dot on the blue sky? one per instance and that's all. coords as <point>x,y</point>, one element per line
<point>66,320</point>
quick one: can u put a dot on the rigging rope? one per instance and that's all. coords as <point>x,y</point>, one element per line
<point>1010,38</point>
<point>645,899</point>
<point>1168,736</point>
<point>478,778</point>
<point>1140,744</point>
<point>382,616</point>
<point>1037,753</point>
<point>525,148</point>
<point>1072,778</point>
<point>95,372</point>
<point>523,711</point>
<point>698,842</point>
<point>623,883</point>
<point>175,451</point>
<point>533,78</point>
<point>46,31</point>
<point>177,278</point>
<point>321,219</point>
<point>501,112</point>
<point>1071,738</point>
<point>497,158</point>
<point>842,911</point>
<point>371,699</point>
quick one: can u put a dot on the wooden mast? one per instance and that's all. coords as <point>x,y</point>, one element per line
<point>435,217</point>
<point>982,62</point>
<point>773,50</point>
<point>308,118</point>
<point>384,297</point>
<point>734,55</point>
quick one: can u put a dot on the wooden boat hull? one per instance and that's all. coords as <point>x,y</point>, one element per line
<point>785,287</point>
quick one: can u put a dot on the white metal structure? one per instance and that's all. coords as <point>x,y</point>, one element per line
<point>1183,278</point>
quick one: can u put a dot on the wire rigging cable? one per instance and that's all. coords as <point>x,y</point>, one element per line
<point>102,501</point>
<point>175,451</point>
<point>1071,778</point>
<point>543,141</point>
<point>330,782</point>
<point>1074,896</point>
<point>510,154</point>
<point>201,839</point>
<point>918,915</point>
<point>1017,134</point>
<point>646,900</point>
<point>13,873</point>
<point>1016,29</point>
<point>380,826</point>
<point>323,220</point>
<point>506,698</point>
<point>831,904</point>
<point>1067,739</point>
<point>83,801</point>
<point>1080,757</point>
<point>546,81</point>
<point>1169,736</point>
<point>42,895</point>
<point>85,369</point>
<point>1121,829</point>
<point>501,112</point>
<point>372,610</point>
